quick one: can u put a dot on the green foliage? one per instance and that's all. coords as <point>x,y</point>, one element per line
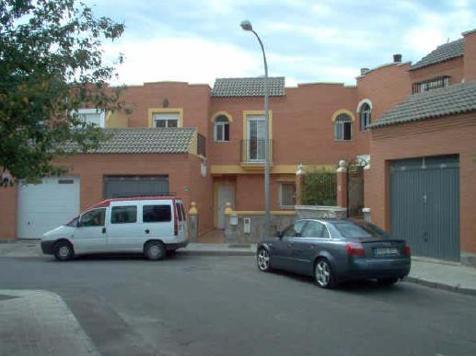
<point>320,188</point>
<point>51,64</point>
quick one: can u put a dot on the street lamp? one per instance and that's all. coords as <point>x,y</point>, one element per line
<point>246,25</point>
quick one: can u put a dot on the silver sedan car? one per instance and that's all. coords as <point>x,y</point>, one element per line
<point>333,251</point>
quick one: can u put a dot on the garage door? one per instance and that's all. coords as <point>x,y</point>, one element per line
<point>424,201</point>
<point>127,186</point>
<point>46,205</point>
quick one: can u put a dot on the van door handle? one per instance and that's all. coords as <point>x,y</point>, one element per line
<point>147,231</point>
<point>103,230</point>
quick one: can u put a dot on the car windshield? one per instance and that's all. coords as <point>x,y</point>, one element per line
<point>359,230</point>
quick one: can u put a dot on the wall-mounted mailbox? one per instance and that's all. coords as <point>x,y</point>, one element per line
<point>247,225</point>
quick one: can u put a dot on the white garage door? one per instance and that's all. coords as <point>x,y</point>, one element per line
<point>47,205</point>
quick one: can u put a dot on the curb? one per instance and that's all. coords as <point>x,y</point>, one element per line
<point>218,253</point>
<point>441,286</point>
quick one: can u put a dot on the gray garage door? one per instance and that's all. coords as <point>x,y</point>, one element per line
<point>424,203</point>
<point>127,186</point>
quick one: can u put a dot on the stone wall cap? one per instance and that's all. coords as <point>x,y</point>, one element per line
<point>320,208</point>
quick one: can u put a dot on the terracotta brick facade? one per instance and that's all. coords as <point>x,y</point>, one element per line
<point>302,132</point>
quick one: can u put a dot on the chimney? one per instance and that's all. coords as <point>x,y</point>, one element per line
<point>397,58</point>
<point>363,71</point>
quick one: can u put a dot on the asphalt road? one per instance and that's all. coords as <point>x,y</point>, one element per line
<point>224,305</point>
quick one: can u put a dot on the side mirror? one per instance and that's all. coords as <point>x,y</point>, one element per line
<point>298,234</point>
<point>279,234</point>
<point>78,223</point>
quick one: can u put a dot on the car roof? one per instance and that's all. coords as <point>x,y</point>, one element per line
<point>107,202</point>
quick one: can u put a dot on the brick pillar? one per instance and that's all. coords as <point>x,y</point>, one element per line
<point>342,184</point>
<point>193,223</point>
<point>300,184</point>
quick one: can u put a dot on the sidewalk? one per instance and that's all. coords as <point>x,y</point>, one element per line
<point>36,322</point>
<point>429,272</point>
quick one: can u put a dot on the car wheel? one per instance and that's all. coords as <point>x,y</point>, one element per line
<point>323,274</point>
<point>387,281</point>
<point>155,250</point>
<point>64,251</point>
<point>263,259</point>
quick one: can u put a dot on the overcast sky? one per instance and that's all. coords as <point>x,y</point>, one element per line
<point>197,41</point>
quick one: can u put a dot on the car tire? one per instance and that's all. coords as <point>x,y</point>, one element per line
<point>387,281</point>
<point>64,251</point>
<point>323,274</point>
<point>263,259</point>
<point>155,250</point>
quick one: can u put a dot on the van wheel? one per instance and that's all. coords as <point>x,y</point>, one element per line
<point>64,251</point>
<point>155,251</point>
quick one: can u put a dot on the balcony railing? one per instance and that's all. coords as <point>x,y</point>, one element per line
<point>252,151</point>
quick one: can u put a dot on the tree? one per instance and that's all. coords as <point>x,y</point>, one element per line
<point>51,64</point>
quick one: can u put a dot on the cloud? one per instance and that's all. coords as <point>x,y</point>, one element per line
<point>188,59</point>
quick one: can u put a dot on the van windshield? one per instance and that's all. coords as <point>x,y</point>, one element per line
<point>73,222</point>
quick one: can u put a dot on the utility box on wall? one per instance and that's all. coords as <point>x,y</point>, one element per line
<point>246,225</point>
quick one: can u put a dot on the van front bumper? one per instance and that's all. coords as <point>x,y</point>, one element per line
<point>48,246</point>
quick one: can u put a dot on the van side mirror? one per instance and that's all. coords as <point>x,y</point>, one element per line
<point>78,223</point>
<point>279,234</point>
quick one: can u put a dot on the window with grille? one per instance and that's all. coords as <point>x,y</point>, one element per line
<point>343,127</point>
<point>287,195</point>
<point>431,84</point>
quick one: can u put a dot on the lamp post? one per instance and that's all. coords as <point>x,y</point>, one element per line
<point>246,25</point>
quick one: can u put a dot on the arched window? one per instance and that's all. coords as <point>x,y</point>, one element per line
<point>365,116</point>
<point>221,129</point>
<point>343,127</point>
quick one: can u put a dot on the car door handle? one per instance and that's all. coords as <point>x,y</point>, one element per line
<point>103,230</point>
<point>147,231</point>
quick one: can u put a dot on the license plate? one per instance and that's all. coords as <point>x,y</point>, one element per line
<point>382,252</point>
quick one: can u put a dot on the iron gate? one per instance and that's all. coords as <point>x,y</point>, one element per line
<point>424,205</point>
<point>355,188</point>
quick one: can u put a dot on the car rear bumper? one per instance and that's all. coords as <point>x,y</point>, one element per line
<point>377,269</point>
<point>48,247</point>
<point>173,246</point>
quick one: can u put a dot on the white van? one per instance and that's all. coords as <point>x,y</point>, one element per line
<point>150,225</point>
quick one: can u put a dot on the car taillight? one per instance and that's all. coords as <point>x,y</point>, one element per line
<point>406,250</point>
<point>355,249</point>
<point>175,220</point>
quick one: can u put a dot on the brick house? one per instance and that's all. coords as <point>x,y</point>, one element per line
<point>206,145</point>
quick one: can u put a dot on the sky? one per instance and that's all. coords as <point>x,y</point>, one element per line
<point>306,41</point>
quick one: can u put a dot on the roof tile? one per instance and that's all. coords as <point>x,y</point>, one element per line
<point>247,87</point>
<point>441,53</point>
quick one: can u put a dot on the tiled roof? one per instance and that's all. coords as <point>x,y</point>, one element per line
<point>247,87</point>
<point>441,53</point>
<point>144,141</point>
<point>455,99</point>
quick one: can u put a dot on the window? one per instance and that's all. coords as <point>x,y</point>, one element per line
<point>365,116</point>
<point>222,129</point>
<point>294,229</point>
<point>255,145</point>
<point>165,120</point>
<point>315,230</point>
<point>92,116</point>
<point>343,127</point>
<point>431,84</point>
<point>93,218</point>
<point>287,195</point>
<point>157,213</point>
<point>124,214</point>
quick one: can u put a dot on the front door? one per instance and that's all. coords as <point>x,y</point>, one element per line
<point>91,235</point>
<point>225,194</point>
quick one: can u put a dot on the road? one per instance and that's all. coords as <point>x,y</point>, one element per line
<point>224,305</point>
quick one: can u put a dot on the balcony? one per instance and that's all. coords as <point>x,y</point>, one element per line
<point>252,154</point>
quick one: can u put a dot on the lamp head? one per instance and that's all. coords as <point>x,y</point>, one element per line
<point>246,25</point>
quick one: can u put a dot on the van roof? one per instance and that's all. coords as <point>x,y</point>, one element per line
<point>107,202</point>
